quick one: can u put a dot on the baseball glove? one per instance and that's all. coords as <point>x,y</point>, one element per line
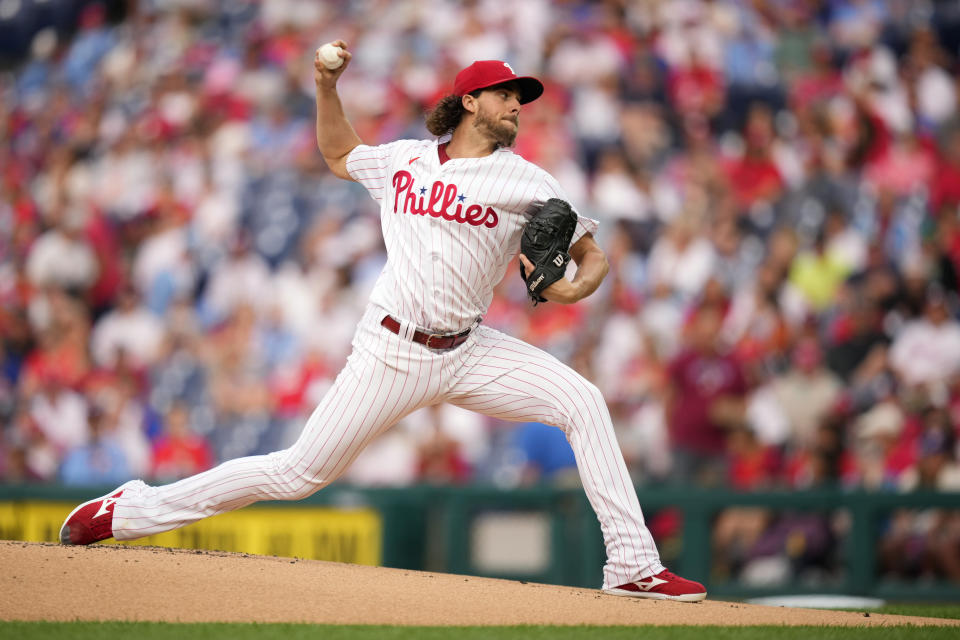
<point>545,242</point>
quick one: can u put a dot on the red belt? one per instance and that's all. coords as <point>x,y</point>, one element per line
<point>431,340</point>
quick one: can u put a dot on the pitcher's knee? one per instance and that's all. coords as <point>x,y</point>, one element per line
<point>586,406</point>
<point>302,487</point>
<point>588,397</point>
<point>595,396</point>
<point>295,480</point>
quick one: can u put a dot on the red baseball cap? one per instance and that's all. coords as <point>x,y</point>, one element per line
<point>487,73</point>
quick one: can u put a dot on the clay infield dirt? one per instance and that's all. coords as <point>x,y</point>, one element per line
<point>52,582</point>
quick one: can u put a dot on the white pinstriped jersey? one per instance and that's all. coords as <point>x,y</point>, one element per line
<point>450,229</point>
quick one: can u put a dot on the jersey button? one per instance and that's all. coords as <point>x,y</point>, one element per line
<point>435,257</point>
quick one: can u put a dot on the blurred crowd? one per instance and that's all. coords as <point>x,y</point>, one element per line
<point>778,185</point>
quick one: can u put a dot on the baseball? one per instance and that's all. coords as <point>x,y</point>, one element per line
<point>329,55</point>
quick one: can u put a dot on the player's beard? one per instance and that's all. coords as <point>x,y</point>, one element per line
<point>497,130</point>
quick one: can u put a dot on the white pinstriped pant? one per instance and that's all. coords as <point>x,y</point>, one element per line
<point>387,377</point>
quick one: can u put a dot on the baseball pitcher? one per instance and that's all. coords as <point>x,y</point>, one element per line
<point>454,211</point>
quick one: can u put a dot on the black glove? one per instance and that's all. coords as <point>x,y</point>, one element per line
<point>545,242</point>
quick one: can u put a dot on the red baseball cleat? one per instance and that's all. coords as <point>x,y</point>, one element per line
<point>663,586</point>
<point>92,521</point>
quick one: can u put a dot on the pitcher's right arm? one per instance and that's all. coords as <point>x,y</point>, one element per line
<point>335,135</point>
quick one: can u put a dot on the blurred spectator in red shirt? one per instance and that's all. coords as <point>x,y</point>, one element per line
<point>441,460</point>
<point>754,177</point>
<point>752,464</point>
<point>695,86</point>
<point>708,389</point>
<point>906,165</point>
<point>61,325</point>
<point>179,452</point>
<point>820,83</point>
<point>945,185</point>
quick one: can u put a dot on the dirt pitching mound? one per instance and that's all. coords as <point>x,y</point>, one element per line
<point>52,582</point>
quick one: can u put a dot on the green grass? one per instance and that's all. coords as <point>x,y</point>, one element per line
<point>927,610</point>
<point>214,631</point>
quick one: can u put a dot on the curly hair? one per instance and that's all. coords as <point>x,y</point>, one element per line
<point>446,116</point>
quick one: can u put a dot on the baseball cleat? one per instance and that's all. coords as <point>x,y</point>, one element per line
<point>663,586</point>
<point>92,521</point>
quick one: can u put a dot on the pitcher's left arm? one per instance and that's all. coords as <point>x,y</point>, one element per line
<point>592,268</point>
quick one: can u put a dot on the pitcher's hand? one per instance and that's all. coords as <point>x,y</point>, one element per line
<point>327,78</point>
